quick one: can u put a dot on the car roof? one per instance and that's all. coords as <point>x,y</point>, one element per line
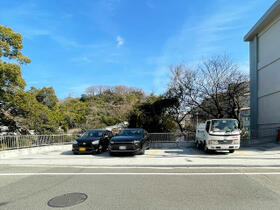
<point>224,119</point>
<point>133,129</point>
<point>97,130</point>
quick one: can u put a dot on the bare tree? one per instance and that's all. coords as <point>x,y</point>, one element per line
<point>119,89</point>
<point>215,86</point>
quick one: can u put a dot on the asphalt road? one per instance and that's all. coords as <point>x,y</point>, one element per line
<point>23,187</point>
<point>180,178</point>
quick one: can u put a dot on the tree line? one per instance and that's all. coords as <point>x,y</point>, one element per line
<point>214,88</point>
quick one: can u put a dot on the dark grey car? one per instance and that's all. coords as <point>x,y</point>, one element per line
<point>133,140</point>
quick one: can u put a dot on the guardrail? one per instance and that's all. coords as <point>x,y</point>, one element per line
<point>25,141</point>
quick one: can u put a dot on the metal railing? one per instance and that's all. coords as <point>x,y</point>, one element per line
<point>25,141</point>
<point>171,137</point>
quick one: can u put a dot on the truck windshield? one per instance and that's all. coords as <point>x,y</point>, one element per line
<point>224,125</point>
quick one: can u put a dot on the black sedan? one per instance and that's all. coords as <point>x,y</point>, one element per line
<point>134,141</point>
<point>92,141</point>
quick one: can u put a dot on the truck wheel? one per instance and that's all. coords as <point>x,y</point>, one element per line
<point>231,151</point>
<point>205,149</point>
<point>198,145</point>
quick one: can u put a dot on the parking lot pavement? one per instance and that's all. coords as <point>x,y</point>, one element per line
<point>258,156</point>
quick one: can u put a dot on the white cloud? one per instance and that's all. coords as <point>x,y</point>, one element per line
<point>203,38</point>
<point>120,41</point>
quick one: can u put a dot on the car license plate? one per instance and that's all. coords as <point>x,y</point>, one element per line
<point>122,147</point>
<point>82,149</point>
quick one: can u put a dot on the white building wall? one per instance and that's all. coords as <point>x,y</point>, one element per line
<point>269,79</point>
<point>269,44</point>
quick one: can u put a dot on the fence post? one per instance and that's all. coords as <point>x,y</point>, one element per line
<point>38,141</point>
<point>17,143</point>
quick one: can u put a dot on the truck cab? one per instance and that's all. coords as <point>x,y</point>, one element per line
<point>218,135</point>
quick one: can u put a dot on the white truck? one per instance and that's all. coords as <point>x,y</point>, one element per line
<point>218,135</point>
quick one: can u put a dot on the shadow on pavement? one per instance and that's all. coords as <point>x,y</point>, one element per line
<point>103,154</point>
<point>3,203</point>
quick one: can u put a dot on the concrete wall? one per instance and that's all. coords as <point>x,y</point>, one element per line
<point>268,81</point>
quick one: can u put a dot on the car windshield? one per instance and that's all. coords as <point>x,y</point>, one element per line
<point>136,132</point>
<point>224,125</point>
<point>93,134</point>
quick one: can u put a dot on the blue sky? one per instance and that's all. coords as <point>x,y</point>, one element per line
<point>76,44</point>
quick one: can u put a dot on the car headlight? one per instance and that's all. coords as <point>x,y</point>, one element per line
<point>112,142</point>
<point>236,142</point>
<point>95,142</point>
<point>136,141</point>
<point>213,142</point>
<point>75,142</point>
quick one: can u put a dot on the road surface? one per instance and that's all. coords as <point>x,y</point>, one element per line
<point>188,179</point>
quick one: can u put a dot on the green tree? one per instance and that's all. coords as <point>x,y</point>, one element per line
<point>152,116</point>
<point>46,96</point>
<point>11,82</point>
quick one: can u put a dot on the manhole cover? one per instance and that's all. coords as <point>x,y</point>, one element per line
<point>66,200</point>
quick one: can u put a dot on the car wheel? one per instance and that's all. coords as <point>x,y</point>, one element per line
<point>100,149</point>
<point>142,152</point>
<point>111,153</point>
<point>104,149</point>
<point>231,151</point>
<point>75,153</point>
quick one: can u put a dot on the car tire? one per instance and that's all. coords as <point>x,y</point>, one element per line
<point>111,153</point>
<point>142,152</point>
<point>149,146</point>
<point>100,149</point>
<point>75,153</point>
<point>231,151</point>
<point>104,149</point>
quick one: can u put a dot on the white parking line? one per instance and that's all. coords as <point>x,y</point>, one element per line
<point>139,174</point>
<point>149,167</point>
